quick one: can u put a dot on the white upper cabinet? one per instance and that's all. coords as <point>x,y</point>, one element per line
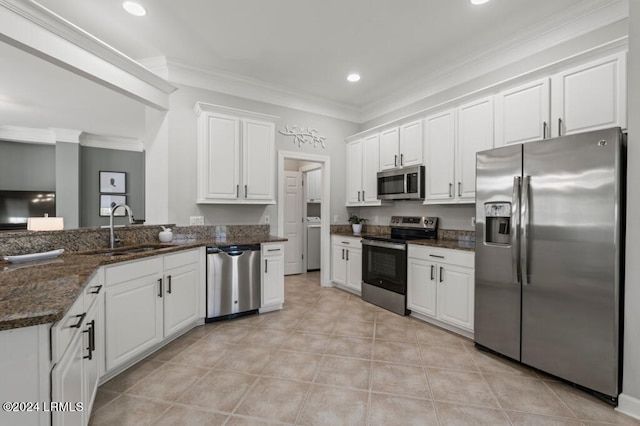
<point>236,156</point>
<point>401,146</point>
<point>440,137</point>
<point>523,113</point>
<point>362,169</point>
<point>313,186</point>
<point>590,97</point>
<point>475,133</point>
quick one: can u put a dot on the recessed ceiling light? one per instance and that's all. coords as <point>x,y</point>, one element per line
<point>353,77</point>
<point>479,1</point>
<point>136,9</point>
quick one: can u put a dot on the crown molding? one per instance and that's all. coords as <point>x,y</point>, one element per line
<point>250,88</point>
<point>28,135</point>
<point>111,142</point>
<point>201,107</point>
<point>587,17</point>
<point>67,135</point>
<point>35,29</point>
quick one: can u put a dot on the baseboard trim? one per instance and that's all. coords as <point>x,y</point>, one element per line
<point>629,405</point>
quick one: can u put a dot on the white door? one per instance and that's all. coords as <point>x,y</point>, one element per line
<point>590,97</point>
<point>354,268</point>
<point>293,222</point>
<point>180,298</point>
<point>273,281</point>
<point>338,264</point>
<point>389,149</point>
<point>222,178</point>
<point>522,113</point>
<point>421,286</point>
<point>440,145</point>
<point>259,161</point>
<point>475,133</point>
<point>411,144</point>
<point>456,295</point>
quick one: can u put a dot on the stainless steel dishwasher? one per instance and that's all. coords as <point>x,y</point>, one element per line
<point>233,280</point>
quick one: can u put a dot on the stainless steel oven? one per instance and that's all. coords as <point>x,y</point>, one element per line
<point>384,261</point>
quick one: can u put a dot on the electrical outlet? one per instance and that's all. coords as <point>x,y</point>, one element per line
<point>336,218</point>
<point>473,221</point>
<point>196,220</point>
<point>267,219</point>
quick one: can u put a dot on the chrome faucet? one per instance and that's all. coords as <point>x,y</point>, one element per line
<point>112,236</point>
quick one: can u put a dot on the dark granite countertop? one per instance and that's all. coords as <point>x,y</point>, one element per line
<point>41,292</point>
<point>440,243</point>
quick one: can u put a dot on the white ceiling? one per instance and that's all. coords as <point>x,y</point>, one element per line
<point>308,46</point>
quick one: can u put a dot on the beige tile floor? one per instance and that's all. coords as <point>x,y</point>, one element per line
<point>329,358</point>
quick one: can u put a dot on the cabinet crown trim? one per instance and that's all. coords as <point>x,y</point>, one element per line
<point>203,107</point>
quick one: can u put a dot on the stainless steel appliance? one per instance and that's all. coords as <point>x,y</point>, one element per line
<point>401,184</point>
<point>313,243</point>
<point>233,280</point>
<point>384,261</point>
<point>549,253</point>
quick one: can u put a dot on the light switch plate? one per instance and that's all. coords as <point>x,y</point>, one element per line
<point>473,221</point>
<point>267,219</point>
<point>196,220</point>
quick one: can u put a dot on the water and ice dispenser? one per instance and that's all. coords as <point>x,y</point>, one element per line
<point>497,223</point>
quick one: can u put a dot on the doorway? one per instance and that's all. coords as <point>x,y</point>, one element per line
<point>288,164</point>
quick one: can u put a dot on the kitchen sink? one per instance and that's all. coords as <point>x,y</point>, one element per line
<point>128,250</point>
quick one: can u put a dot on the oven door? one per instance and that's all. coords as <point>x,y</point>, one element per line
<point>384,265</point>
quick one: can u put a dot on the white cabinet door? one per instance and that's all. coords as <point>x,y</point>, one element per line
<point>590,97</point>
<point>354,269</point>
<point>338,264</point>
<point>523,113</point>
<point>411,144</point>
<point>69,383</point>
<point>456,295</point>
<point>180,298</point>
<point>258,151</point>
<point>219,157</point>
<point>313,186</point>
<point>273,281</point>
<point>475,133</point>
<point>92,340</point>
<point>370,165</point>
<point>440,140</point>
<point>421,286</point>
<point>354,172</point>
<point>134,318</point>
<point>389,149</point>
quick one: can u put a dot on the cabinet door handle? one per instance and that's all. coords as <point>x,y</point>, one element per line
<point>559,126</point>
<point>159,287</point>
<point>342,254</point>
<point>97,289</point>
<point>90,347</point>
<point>544,130</point>
<point>358,196</point>
<point>245,191</point>
<point>273,250</point>
<point>237,191</point>
<point>450,190</point>
<point>459,189</point>
<point>80,319</point>
<point>266,266</point>
<point>436,255</point>
<point>169,284</point>
<point>93,335</point>
<point>432,270</point>
<point>401,159</point>
<point>347,255</point>
<point>441,274</point>
<point>395,161</point>
<point>363,195</point>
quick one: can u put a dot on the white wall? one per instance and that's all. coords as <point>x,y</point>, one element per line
<point>183,147</point>
<point>630,401</point>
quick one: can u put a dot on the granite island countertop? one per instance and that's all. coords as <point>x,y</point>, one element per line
<point>41,292</point>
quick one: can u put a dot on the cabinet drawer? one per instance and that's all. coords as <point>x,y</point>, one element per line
<point>271,249</point>
<point>453,257</point>
<point>133,270</point>
<point>353,242</point>
<point>66,329</point>
<point>186,257</point>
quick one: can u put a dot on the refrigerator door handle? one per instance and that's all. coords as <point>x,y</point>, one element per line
<point>515,224</point>
<point>524,230</point>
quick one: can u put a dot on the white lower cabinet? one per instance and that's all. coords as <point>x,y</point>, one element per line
<point>440,286</point>
<point>272,283</point>
<point>146,303</point>
<point>346,262</point>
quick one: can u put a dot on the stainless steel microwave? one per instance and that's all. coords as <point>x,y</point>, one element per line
<point>401,184</point>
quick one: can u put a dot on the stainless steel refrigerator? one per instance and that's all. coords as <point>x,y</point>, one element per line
<point>549,253</point>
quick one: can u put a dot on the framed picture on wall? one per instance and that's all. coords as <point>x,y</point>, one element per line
<point>107,202</point>
<point>113,182</point>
